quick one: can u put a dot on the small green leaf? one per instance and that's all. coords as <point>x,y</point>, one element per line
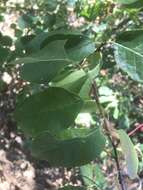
<point>89,106</point>
<point>129,153</point>
<point>50,110</point>
<point>87,174</point>
<point>25,21</point>
<point>92,175</point>
<point>70,147</point>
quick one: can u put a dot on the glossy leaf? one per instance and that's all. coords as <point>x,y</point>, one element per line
<point>78,48</point>
<point>129,153</point>
<point>50,110</point>
<point>43,66</point>
<point>129,54</point>
<point>70,147</point>
<point>73,82</point>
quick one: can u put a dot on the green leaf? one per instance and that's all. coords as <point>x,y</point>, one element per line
<point>89,106</point>
<point>85,90</point>
<point>129,153</point>
<point>136,5</point>
<point>4,52</point>
<point>129,54</point>
<point>94,59</point>
<point>124,121</point>
<point>35,44</point>
<point>72,188</point>
<point>23,43</point>
<point>92,175</point>
<point>71,147</point>
<point>52,52</point>
<point>50,5</point>
<point>78,48</point>
<point>49,20</point>
<point>61,35</point>
<point>41,40</point>
<point>5,41</point>
<point>87,174</point>
<point>43,66</point>
<point>50,110</point>
<point>100,178</point>
<point>25,21</point>
<point>3,85</point>
<point>73,82</point>
<point>126,1</point>
<point>79,82</point>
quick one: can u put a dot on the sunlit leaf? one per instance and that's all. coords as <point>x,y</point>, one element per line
<point>73,81</point>
<point>129,153</point>
<point>129,54</point>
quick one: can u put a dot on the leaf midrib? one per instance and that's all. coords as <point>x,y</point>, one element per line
<point>129,49</point>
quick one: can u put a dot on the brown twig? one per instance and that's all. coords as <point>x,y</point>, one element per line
<point>136,129</point>
<point>108,132</point>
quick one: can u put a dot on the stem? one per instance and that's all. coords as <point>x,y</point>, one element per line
<point>136,129</point>
<point>107,128</point>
